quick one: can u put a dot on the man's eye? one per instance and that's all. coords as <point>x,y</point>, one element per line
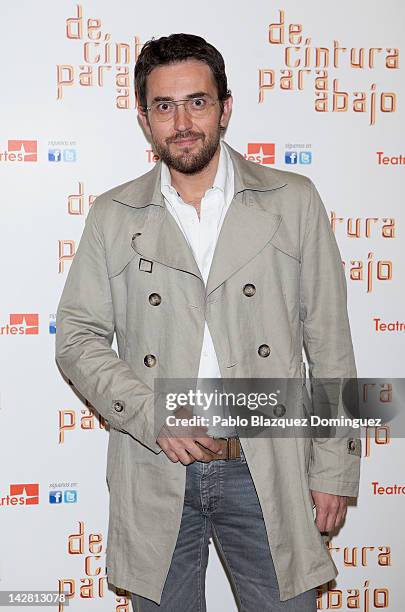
<point>163,107</point>
<point>199,102</point>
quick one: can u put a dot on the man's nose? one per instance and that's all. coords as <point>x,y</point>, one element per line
<point>182,120</point>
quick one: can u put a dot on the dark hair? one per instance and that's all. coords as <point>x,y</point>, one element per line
<point>177,48</point>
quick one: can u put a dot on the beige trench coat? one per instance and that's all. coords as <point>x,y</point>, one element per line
<point>277,236</point>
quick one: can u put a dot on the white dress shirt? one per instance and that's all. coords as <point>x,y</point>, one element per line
<point>201,236</point>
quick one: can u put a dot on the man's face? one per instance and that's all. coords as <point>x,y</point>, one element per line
<point>185,143</point>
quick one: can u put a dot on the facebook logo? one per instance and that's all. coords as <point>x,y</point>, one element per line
<point>305,157</point>
<point>70,496</point>
<point>291,157</point>
<point>54,155</point>
<point>55,497</point>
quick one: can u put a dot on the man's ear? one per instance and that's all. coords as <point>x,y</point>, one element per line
<point>143,118</point>
<point>226,115</point>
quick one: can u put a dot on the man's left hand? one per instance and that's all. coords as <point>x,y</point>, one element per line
<point>330,510</point>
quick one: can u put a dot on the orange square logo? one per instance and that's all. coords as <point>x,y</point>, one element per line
<point>264,152</point>
<point>29,491</point>
<point>27,148</point>
<point>30,321</point>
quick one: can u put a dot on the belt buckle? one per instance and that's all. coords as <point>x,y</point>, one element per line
<point>231,448</point>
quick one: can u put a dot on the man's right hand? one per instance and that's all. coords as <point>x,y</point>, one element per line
<point>179,442</point>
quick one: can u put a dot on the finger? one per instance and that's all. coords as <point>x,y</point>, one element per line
<point>339,520</point>
<point>331,517</point>
<point>321,517</point>
<point>198,452</point>
<point>184,456</point>
<point>172,456</point>
<point>341,515</point>
<point>210,443</point>
<point>175,450</point>
<point>167,449</point>
<point>162,441</point>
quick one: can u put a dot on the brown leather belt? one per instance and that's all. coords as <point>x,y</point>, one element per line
<point>230,449</point>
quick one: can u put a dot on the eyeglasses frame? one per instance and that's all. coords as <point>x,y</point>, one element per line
<point>180,102</point>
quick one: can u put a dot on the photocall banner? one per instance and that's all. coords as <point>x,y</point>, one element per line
<point>318,89</point>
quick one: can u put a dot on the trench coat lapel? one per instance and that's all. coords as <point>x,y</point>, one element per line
<point>246,229</point>
<point>162,240</point>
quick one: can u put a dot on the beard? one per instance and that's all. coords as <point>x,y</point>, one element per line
<point>187,162</point>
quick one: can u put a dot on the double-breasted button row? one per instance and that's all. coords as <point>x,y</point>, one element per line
<point>150,360</point>
<point>249,289</point>
<point>155,299</point>
<point>264,350</point>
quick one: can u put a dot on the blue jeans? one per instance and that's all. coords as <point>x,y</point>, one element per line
<point>221,500</point>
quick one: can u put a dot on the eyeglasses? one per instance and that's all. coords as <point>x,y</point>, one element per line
<point>166,109</point>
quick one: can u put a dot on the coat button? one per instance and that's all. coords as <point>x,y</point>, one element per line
<point>279,410</point>
<point>149,361</point>
<point>249,289</point>
<point>118,405</point>
<point>354,446</point>
<point>264,350</point>
<point>155,299</point>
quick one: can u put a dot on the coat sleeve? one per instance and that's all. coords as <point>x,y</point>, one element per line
<point>335,461</point>
<point>84,334</point>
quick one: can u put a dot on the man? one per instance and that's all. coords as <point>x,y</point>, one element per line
<point>208,266</point>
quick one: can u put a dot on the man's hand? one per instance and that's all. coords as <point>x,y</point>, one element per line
<point>330,510</point>
<point>179,442</point>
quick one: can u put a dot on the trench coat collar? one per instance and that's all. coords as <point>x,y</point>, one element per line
<point>247,227</point>
<point>145,190</point>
